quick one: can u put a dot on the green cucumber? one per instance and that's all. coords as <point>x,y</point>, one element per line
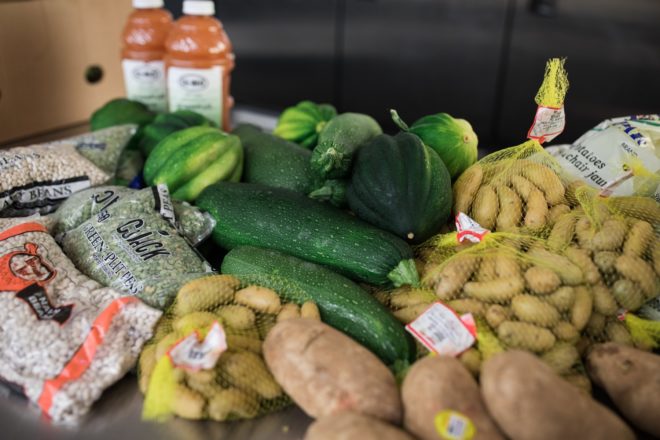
<point>249,214</point>
<point>342,303</point>
<point>272,161</point>
<point>338,142</point>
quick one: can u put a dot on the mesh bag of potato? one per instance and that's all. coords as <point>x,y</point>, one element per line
<point>205,360</point>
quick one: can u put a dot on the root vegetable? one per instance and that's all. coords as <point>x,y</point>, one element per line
<point>562,299</point>
<point>639,271</point>
<point>510,209</point>
<point>638,239</point>
<point>485,207</point>
<point>500,290</point>
<point>582,307</point>
<point>351,425</point>
<point>259,298</point>
<point>525,336</point>
<point>533,310</point>
<point>466,187</point>
<point>536,215</point>
<point>562,231</point>
<point>542,280</point>
<point>546,180</point>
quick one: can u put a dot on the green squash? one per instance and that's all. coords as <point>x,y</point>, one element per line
<point>303,123</point>
<point>402,186</point>
<point>121,111</point>
<point>165,124</point>
<point>453,139</point>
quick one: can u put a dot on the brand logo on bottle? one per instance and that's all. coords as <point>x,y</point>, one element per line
<point>146,73</point>
<point>194,83</point>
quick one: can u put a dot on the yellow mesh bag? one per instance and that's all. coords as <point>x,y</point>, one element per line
<point>238,384</point>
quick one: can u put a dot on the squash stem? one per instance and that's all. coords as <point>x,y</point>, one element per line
<point>398,121</point>
<point>405,273</point>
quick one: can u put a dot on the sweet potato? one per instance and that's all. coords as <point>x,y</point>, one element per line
<point>439,383</point>
<point>530,401</point>
<point>326,372</point>
<point>631,378</point>
<point>352,425</point>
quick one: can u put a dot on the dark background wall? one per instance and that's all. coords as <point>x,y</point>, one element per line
<point>481,60</point>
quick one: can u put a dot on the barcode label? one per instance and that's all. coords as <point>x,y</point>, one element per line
<point>468,229</point>
<point>549,122</point>
<point>192,354</point>
<point>442,331</point>
<point>453,425</point>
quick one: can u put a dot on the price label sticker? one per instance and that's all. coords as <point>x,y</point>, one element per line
<point>192,354</point>
<point>468,229</point>
<point>453,425</point>
<point>549,122</point>
<point>442,331</point>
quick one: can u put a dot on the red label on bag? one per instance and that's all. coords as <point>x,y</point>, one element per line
<point>468,229</point>
<point>442,331</point>
<point>549,122</point>
<point>192,354</point>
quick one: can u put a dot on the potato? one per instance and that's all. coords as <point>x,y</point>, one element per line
<point>565,331</point>
<point>605,261</point>
<point>409,314</point>
<point>582,307</point>
<point>571,190</point>
<point>499,290</point>
<point>506,266</point>
<point>627,294</point>
<point>447,282</point>
<point>166,343</point>
<point>610,236</point>
<point>259,298</point>
<point>596,324</point>
<point>531,309</point>
<point>485,207</point>
<point>542,280</point>
<point>569,273</point>
<point>656,257</point>
<point>522,186</point>
<point>556,212</point>
<point>562,231</point>
<point>466,187</point>
<point>247,370</point>
<point>194,321</point>
<point>471,360</point>
<point>536,215</point>
<point>352,425</point>
<point>580,381</point>
<point>242,342</point>
<point>510,209</point>
<point>582,259</point>
<point>203,382</point>
<point>638,238</point>
<point>529,401</point>
<point>187,403</point>
<point>546,180</point>
<point>561,357</point>
<point>526,336</point>
<point>232,401</point>
<point>604,302</point>
<point>236,316</point>
<point>487,271</point>
<point>441,383</point>
<point>310,310</point>
<point>584,232</point>
<point>325,371</point>
<point>496,315</point>
<point>562,299</point>
<point>631,378</point>
<point>411,297</point>
<point>288,311</point>
<point>639,271</point>
<point>383,296</point>
<point>617,332</point>
<point>466,305</point>
<point>205,293</point>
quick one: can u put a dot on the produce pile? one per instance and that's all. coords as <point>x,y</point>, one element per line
<point>319,265</point>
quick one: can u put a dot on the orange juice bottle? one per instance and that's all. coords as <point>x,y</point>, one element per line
<point>199,61</point>
<point>143,52</point>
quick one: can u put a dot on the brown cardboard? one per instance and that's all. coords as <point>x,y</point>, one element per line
<point>45,48</point>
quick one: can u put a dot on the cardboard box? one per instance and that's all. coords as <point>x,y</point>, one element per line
<point>46,47</point>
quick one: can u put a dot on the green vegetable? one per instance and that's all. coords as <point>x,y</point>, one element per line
<point>303,123</point>
<point>332,191</point>
<point>165,124</point>
<point>402,186</point>
<point>339,141</point>
<point>121,111</point>
<point>192,159</point>
<point>248,214</point>
<point>453,139</point>
<point>272,161</point>
<point>342,303</point>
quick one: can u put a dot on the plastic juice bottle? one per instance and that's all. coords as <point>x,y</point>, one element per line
<point>199,62</point>
<point>143,51</point>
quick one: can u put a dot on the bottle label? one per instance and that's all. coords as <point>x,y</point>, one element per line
<point>145,82</point>
<point>198,90</point>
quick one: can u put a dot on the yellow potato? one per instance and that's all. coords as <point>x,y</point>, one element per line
<point>627,294</point>
<point>610,236</point>
<point>510,209</point>
<point>485,207</point>
<point>187,403</point>
<point>638,238</point>
<point>604,302</point>
<point>450,279</point>
<point>571,188</point>
<point>581,259</point>
<point>639,271</point>
<point>542,280</point>
<point>596,325</point>
<point>466,187</point>
<point>581,381</point>
<point>582,307</point>
<point>259,298</point>
<point>411,297</point>
<point>247,370</point>
<point>506,266</point>
<point>531,309</point>
<point>496,314</point>
<point>617,332</point>
<point>522,186</point>
<point>194,321</point>
<point>466,305</point>
<point>203,382</point>
<point>310,310</point>
<point>244,342</point>
<point>471,359</point>
<point>546,180</point>
<point>236,316</point>
<point>499,291</point>
<point>562,299</point>
<point>562,231</point>
<point>536,215</point>
<point>288,311</point>
<point>605,261</point>
<point>565,331</point>
<point>526,336</point>
<point>232,401</point>
<point>557,212</point>
<point>166,343</point>
<point>265,324</point>
<point>487,270</point>
<point>584,232</point>
<point>569,273</point>
<point>205,293</point>
<point>409,314</point>
<point>561,357</point>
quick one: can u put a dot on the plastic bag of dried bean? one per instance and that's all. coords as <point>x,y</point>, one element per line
<point>36,179</point>
<point>63,337</point>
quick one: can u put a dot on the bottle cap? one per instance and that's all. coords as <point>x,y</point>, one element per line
<point>198,7</point>
<point>147,4</point>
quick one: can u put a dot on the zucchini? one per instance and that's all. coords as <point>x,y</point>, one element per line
<point>272,161</point>
<point>338,142</point>
<point>249,214</point>
<point>332,191</point>
<point>342,303</point>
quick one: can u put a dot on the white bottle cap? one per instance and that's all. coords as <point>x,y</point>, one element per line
<point>147,4</point>
<point>198,7</point>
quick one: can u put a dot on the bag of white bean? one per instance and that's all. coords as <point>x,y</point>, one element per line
<point>36,179</point>
<point>63,337</point>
